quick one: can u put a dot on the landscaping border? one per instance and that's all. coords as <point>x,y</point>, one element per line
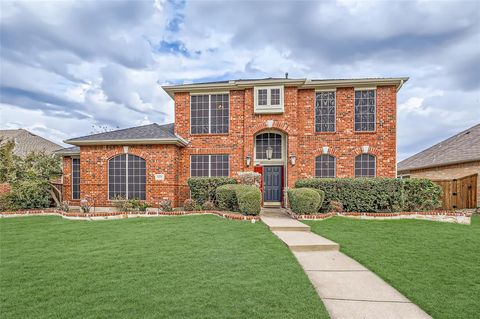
<point>439,216</point>
<point>121,215</point>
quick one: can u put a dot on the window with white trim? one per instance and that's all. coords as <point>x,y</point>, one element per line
<point>325,166</point>
<point>209,165</point>
<point>127,177</point>
<point>75,178</point>
<point>268,99</point>
<point>209,113</point>
<point>325,111</point>
<point>265,141</point>
<point>365,165</point>
<point>365,110</point>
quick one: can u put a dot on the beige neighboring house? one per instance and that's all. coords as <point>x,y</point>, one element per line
<point>453,158</point>
<point>26,142</point>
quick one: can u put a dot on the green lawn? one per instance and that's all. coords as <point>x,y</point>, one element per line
<point>169,267</point>
<point>436,265</point>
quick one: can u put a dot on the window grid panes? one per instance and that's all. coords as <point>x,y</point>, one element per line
<point>265,140</point>
<point>75,178</point>
<point>325,166</point>
<point>365,110</point>
<point>209,114</point>
<point>275,96</point>
<point>127,177</point>
<point>365,165</point>
<point>219,106</point>
<point>325,112</point>
<point>209,165</point>
<point>262,96</point>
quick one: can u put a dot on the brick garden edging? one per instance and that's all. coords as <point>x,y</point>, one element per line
<point>120,215</point>
<point>440,216</point>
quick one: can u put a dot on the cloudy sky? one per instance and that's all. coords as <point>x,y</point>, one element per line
<point>68,66</point>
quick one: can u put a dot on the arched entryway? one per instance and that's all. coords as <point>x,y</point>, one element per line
<point>270,149</point>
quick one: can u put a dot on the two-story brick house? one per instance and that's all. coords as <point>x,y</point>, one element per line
<point>285,129</point>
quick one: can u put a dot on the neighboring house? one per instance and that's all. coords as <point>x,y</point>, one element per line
<point>27,142</point>
<point>453,158</point>
<point>284,128</point>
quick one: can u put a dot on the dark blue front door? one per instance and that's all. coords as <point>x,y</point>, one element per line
<point>272,183</point>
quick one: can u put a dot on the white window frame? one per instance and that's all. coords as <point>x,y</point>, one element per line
<point>210,164</point>
<point>209,111</point>
<point>269,108</point>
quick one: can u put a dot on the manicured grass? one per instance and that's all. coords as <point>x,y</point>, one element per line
<point>168,267</point>
<point>436,265</point>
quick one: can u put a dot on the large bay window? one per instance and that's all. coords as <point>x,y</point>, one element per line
<point>127,177</point>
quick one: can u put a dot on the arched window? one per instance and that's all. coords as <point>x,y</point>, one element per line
<point>365,165</point>
<point>126,177</point>
<point>268,141</point>
<point>325,166</point>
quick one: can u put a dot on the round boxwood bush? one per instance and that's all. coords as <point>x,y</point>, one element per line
<point>304,201</point>
<point>249,201</point>
<point>226,197</point>
<point>190,204</point>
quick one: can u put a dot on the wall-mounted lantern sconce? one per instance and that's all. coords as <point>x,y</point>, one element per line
<point>365,149</point>
<point>325,150</point>
<point>125,149</point>
<point>248,160</point>
<point>269,152</point>
<point>293,159</point>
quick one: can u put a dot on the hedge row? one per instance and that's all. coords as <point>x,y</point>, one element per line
<point>203,189</point>
<point>376,195</point>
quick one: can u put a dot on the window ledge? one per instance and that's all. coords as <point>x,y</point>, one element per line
<point>269,110</point>
<point>365,132</point>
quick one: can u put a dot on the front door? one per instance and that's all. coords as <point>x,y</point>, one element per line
<point>272,183</point>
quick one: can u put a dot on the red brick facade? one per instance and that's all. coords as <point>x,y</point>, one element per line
<point>297,123</point>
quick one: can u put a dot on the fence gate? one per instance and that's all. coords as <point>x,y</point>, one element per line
<point>459,193</point>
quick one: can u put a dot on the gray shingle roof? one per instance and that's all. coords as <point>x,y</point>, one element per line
<point>151,132</point>
<point>460,148</point>
<point>72,150</point>
<point>26,142</point>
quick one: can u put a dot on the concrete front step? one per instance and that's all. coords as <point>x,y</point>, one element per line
<point>299,241</point>
<point>284,224</point>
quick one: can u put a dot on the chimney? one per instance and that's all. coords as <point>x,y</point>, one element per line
<point>286,75</point>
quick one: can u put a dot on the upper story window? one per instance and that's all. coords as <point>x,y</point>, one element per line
<point>268,99</point>
<point>209,113</point>
<point>75,178</point>
<point>325,111</point>
<point>325,166</point>
<point>209,165</point>
<point>365,165</point>
<point>127,177</point>
<point>365,110</point>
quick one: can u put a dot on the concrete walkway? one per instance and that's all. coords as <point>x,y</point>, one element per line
<point>348,289</point>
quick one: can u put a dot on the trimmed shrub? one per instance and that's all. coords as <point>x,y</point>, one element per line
<point>249,178</point>
<point>304,201</point>
<point>190,204</point>
<point>335,206</point>
<point>165,205</point>
<point>359,194</point>
<point>249,200</point>
<point>208,205</point>
<point>421,194</point>
<point>204,188</point>
<point>227,195</point>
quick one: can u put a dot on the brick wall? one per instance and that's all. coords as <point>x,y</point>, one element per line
<point>160,159</point>
<point>297,122</point>
<point>449,172</point>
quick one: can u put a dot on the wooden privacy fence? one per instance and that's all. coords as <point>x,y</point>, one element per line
<point>459,193</point>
